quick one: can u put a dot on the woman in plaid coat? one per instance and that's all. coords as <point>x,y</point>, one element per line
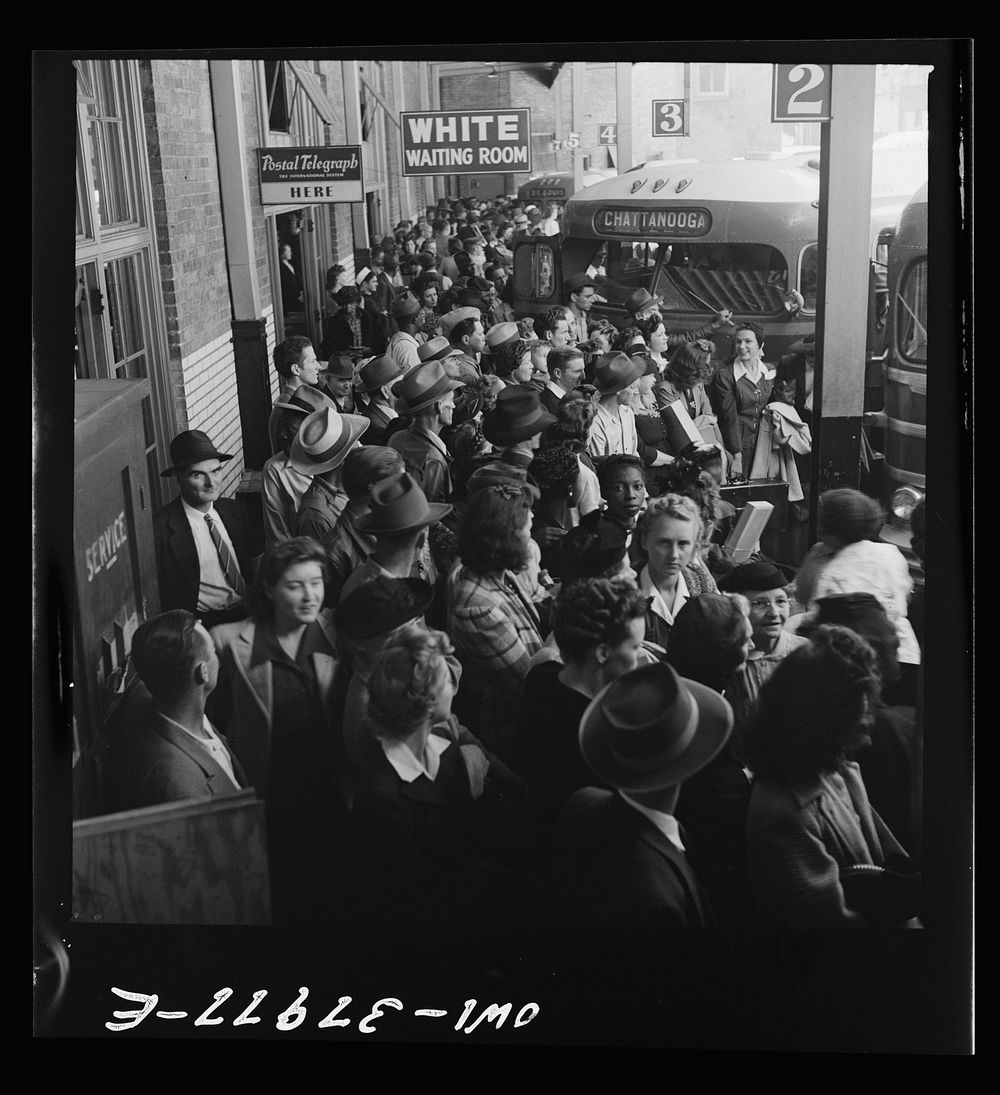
<point>493,615</point>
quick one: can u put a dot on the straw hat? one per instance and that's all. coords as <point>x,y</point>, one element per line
<point>324,440</point>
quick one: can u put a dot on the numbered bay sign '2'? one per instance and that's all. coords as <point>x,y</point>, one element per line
<point>800,93</point>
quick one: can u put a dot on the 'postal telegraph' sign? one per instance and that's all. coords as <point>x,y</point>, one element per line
<point>466,142</point>
<point>290,176</point>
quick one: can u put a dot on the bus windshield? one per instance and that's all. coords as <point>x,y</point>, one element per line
<point>749,278</point>
<point>911,314</point>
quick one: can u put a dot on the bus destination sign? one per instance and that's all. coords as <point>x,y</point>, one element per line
<point>673,223</point>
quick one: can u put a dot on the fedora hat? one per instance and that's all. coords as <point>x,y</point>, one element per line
<point>378,372</point>
<point>305,400</point>
<point>517,415</point>
<point>324,439</point>
<point>422,386</point>
<point>651,729</point>
<point>456,315</point>
<point>189,448</point>
<point>339,367</point>
<point>436,349</point>
<point>502,334</point>
<point>405,305</point>
<point>399,505</point>
<point>641,298</point>
<point>382,605</point>
<point>614,372</point>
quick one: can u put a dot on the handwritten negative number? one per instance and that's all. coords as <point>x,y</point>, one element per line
<point>815,75</point>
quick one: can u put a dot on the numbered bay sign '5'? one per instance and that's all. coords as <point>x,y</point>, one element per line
<point>800,93</point>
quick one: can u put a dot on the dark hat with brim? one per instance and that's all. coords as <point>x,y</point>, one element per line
<point>382,605</point>
<point>339,367</point>
<point>405,306</point>
<point>639,300</point>
<point>191,447</point>
<point>422,387</point>
<point>614,372</point>
<point>756,576</point>
<point>398,504</point>
<point>651,729</point>
<point>575,283</point>
<point>517,416</point>
<point>495,473</point>
<point>378,372</point>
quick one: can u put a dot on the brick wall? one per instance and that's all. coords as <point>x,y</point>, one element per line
<point>213,406</point>
<point>193,273</point>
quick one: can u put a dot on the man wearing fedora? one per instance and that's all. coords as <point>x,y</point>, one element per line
<point>373,399</point>
<point>426,396</point>
<point>404,344</point>
<point>284,487</point>
<point>398,517</point>
<point>204,543</point>
<point>515,424</point>
<point>347,545</point>
<point>295,362</point>
<point>319,450</point>
<point>338,382</point>
<point>619,860</point>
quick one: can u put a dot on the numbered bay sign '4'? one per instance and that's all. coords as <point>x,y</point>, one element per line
<point>800,93</point>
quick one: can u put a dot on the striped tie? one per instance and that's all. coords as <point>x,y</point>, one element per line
<point>229,567</point>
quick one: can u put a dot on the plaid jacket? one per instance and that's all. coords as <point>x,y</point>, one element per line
<point>496,629</point>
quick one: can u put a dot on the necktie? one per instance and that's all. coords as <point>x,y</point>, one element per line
<point>229,567</point>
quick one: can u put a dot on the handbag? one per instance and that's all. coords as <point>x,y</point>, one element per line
<point>885,896</point>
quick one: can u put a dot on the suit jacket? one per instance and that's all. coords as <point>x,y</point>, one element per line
<point>146,760</point>
<point>614,869</point>
<point>251,693</point>
<point>177,557</point>
<point>549,400</point>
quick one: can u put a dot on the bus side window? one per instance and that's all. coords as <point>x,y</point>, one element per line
<point>632,263</point>
<point>808,266</point>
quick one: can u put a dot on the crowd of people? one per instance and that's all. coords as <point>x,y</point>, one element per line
<point>492,659</point>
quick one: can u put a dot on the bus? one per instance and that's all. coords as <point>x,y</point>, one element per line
<point>555,186</point>
<point>905,378</point>
<point>735,234</point>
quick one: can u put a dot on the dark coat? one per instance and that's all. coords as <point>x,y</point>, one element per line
<point>147,761</point>
<point>549,400</point>
<point>613,869</point>
<point>339,338</point>
<point>177,557</point>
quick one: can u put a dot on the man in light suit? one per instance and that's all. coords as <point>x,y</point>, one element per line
<point>204,543</point>
<point>162,747</point>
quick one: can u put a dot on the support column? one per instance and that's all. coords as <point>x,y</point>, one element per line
<point>352,114</point>
<point>579,113</point>
<point>842,313</point>
<point>253,382</point>
<point>623,89</point>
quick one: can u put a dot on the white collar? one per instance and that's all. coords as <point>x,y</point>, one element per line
<point>196,514</point>
<point>211,735</point>
<point>406,765</point>
<point>555,389</point>
<point>666,823</point>
<point>657,604</point>
<point>740,370</point>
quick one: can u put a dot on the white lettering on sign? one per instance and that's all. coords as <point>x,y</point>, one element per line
<point>438,157</point>
<point>103,552</point>
<point>464,127</point>
<point>688,221</point>
<point>503,155</point>
<point>309,161</point>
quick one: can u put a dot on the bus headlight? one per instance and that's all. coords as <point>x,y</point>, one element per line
<point>902,502</point>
